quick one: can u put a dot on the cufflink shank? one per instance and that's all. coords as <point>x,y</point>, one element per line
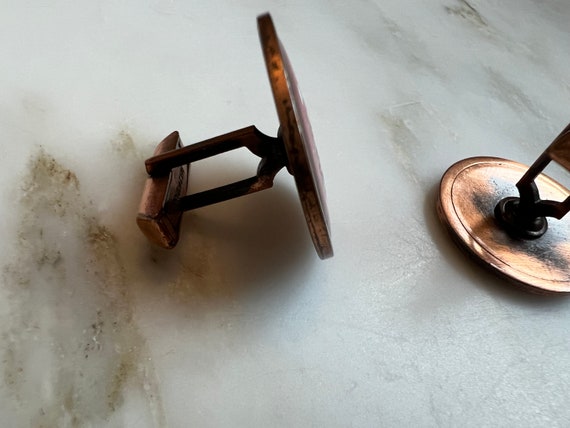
<point>496,210</point>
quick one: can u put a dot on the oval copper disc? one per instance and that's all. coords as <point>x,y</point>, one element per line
<point>469,191</point>
<point>297,137</point>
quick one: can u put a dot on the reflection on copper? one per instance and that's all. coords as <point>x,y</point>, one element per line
<point>469,191</point>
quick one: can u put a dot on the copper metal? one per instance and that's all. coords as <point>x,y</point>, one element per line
<point>164,198</point>
<point>297,135</point>
<point>469,203</point>
<point>525,216</point>
<point>162,226</point>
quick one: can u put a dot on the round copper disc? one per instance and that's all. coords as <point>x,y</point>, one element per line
<point>469,191</point>
<point>297,137</point>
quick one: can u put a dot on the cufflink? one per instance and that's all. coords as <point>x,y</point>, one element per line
<point>497,210</point>
<point>165,197</point>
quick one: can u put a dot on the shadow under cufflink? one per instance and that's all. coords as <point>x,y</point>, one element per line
<point>253,246</point>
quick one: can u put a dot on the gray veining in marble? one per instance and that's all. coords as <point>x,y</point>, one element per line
<point>242,325</point>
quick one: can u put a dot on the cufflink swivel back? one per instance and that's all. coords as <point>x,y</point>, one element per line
<point>511,234</point>
<point>164,197</point>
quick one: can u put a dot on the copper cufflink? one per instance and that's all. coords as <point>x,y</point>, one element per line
<point>497,210</point>
<point>164,197</point>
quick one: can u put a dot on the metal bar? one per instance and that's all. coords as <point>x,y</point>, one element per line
<point>220,194</point>
<point>249,137</point>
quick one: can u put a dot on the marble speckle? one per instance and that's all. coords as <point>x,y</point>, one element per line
<point>68,294</point>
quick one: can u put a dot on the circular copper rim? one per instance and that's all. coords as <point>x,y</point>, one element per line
<point>469,191</point>
<point>297,137</point>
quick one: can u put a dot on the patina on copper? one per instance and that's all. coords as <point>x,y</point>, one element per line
<point>165,199</point>
<point>510,234</point>
<point>162,226</point>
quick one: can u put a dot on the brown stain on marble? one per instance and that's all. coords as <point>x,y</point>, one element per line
<point>124,144</point>
<point>124,371</point>
<point>71,311</point>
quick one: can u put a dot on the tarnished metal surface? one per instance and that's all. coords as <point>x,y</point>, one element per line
<point>469,192</point>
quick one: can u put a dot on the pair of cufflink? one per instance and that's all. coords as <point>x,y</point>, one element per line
<point>476,201</point>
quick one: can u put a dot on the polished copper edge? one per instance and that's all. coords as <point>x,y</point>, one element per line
<point>297,137</point>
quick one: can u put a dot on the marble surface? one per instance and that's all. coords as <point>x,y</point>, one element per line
<point>242,324</point>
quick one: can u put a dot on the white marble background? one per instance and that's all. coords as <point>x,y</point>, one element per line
<point>242,324</point>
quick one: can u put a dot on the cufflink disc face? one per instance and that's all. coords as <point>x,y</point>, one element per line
<point>303,160</point>
<point>469,192</point>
